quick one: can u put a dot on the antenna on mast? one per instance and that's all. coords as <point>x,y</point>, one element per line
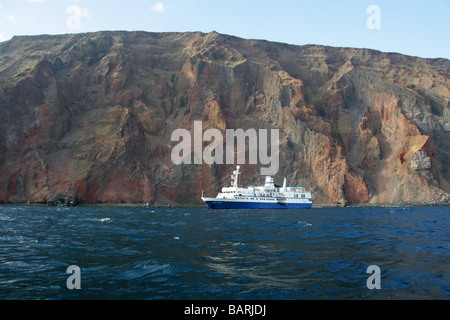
<point>235,177</point>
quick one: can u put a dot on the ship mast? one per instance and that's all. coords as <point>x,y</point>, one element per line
<point>235,177</point>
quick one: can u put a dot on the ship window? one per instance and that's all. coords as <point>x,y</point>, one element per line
<point>303,195</point>
<point>296,195</point>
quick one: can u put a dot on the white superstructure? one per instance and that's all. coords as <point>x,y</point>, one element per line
<point>267,196</point>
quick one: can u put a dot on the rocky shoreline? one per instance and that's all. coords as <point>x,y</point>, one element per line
<point>146,205</point>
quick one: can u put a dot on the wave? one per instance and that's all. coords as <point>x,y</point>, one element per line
<point>141,270</point>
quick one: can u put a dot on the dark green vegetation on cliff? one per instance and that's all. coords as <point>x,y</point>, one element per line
<point>89,117</point>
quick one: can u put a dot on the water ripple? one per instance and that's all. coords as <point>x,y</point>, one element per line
<point>139,253</point>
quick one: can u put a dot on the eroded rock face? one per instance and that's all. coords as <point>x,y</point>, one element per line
<point>89,117</point>
<point>420,161</point>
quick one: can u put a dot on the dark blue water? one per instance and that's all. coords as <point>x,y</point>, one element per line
<point>195,253</point>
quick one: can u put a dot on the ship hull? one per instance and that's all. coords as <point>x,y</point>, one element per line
<point>233,204</point>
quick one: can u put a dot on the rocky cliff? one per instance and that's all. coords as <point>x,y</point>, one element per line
<point>89,117</point>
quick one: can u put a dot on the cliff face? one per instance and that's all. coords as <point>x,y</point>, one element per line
<point>89,117</point>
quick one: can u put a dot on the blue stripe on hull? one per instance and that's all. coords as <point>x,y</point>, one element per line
<point>255,205</point>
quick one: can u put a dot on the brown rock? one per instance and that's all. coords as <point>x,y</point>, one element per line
<point>89,117</point>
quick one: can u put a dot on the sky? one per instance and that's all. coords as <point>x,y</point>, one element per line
<point>413,27</point>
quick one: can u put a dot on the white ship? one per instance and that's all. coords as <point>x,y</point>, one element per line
<point>268,196</point>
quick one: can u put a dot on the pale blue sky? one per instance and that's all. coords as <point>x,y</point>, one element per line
<point>413,27</point>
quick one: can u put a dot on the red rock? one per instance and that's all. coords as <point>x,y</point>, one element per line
<point>89,117</point>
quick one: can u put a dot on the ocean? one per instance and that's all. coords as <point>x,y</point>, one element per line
<point>133,253</point>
